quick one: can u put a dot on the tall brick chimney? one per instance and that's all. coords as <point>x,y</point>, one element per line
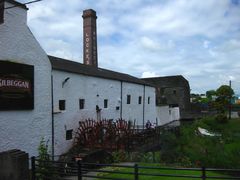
<point>90,38</point>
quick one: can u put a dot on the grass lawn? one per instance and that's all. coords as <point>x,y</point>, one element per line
<point>152,172</point>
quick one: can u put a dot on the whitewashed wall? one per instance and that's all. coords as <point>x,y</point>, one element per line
<point>175,113</point>
<point>23,129</point>
<point>132,111</point>
<point>94,90</point>
<point>150,109</point>
<point>165,114</point>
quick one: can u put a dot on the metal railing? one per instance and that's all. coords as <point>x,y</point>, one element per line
<point>55,170</point>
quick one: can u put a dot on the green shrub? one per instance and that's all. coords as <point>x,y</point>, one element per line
<point>119,156</point>
<point>221,118</point>
<point>45,169</point>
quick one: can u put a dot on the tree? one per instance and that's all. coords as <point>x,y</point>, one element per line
<point>225,91</point>
<point>224,94</point>
<point>210,94</point>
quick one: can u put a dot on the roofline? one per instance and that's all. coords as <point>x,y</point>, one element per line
<point>164,77</point>
<point>140,81</point>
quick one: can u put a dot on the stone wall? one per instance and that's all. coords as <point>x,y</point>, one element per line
<point>14,165</point>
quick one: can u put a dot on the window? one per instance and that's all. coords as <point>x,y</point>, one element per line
<point>81,103</point>
<point>174,92</point>
<point>1,11</point>
<point>148,100</point>
<point>128,99</point>
<point>105,103</point>
<point>62,105</point>
<point>69,134</point>
<point>140,100</point>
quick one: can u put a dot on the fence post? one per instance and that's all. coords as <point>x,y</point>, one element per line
<point>203,173</point>
<point>135,172</point>
<point>79,163</point>
<point>33,168</point>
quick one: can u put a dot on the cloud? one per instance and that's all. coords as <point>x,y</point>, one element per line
<point>185,18</point>
<point>206,44</point>
<point>150,44</point>
<point>199,40</point>
<point>230,45</point>
<point>149,74</point>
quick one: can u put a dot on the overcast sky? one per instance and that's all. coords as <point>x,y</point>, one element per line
<point>195,38</point>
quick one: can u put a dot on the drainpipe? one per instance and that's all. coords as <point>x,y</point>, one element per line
<point>52,118</point>
<point>144,106</point>
<point>121,100</point>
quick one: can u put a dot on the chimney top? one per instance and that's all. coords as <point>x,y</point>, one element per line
<point>90,38</point>
<point>89,13</point>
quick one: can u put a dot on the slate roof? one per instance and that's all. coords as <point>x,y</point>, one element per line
<point>79,68</point>
<point>168,81</point>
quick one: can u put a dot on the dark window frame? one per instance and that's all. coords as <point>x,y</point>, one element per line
<point>174,91</point>
<point>105,103</point>
<point>62,104</point>
<point>140,100</point>
<point>81,103</point>
<point>128,99</point>
<point>1,12</point>
<point>69,134</point>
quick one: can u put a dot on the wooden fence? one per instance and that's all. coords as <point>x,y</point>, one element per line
<point>55,170</point>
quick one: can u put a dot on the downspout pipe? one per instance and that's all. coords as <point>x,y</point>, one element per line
<point>52,118</point>
<point>121,97</point>
<point>144,93</point>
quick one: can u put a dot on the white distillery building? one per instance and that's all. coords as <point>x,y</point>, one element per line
<point>43,96</point>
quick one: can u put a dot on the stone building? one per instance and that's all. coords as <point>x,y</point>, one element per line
<point>42,96</point>
<point>172,90</point>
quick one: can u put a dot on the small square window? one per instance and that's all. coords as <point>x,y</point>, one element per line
<point>174,92</point>
<point>148,100</point>
<point>69,134</point>
<point>128,99</point>
<point>140,100</point>
<point>62,105</point>
<point>105,103</point>
<point>81,103</point>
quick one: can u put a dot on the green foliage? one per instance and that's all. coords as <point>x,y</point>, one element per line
<point>119,156</point>
<point>191,149</point>
<point>224,94</point>
<point>221,118</point>
<point>210,94</point>
<point>225,91</point>
<point>43,151</point>
<point>220,151</point>
<point>45,169</point>
<point>204,100</point>
<point>150,157</point>
<point>170,148</point>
